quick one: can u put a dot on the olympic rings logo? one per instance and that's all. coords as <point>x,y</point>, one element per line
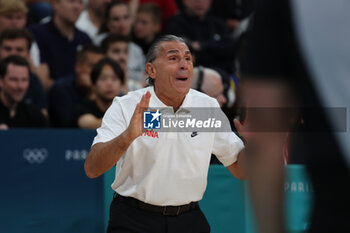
<point>35,155</point>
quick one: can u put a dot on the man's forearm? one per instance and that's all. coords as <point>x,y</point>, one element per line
<point>103,156</point>
<point>237,169</point>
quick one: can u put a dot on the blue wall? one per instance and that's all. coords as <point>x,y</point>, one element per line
<point>44,188</point>
<point>43,185</point>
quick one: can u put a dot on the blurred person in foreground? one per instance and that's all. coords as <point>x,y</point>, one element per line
<point>160,177</point>
<point>107,79</point>
<point>14,83</point>
<point>298,47</point>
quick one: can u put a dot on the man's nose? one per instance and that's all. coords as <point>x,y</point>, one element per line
<point>12,52</point>
<point>22,86</point>
<point>14,22</point>
<point>184,64</point>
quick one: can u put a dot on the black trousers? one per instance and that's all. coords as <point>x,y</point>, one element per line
<point>124,218</point>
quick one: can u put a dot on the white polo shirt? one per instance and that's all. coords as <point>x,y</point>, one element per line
<point>167,168</point>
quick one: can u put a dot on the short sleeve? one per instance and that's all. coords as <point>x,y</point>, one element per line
<point>113,123</point>
<point>227,144</point>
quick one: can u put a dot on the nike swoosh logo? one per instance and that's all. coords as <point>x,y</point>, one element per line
<point>193,134</point>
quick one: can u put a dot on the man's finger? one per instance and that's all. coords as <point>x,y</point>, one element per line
<point>240,129</point>
<point>138,109</point>
<point>142,101</point>
<point>147,99</point>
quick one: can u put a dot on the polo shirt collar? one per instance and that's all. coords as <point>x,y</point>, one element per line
<point>155,102</point>
<point>187,103</point>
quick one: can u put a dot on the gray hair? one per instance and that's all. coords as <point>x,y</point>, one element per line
<point>153,51</point>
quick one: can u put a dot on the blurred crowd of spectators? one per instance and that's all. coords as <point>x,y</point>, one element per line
<point>63,61</point>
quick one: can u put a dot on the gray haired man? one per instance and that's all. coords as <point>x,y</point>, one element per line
<point>160,177</point>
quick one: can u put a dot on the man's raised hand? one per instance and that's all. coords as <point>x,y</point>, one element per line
<point>135,128</point>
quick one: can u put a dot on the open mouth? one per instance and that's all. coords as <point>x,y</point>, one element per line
<point>182,79</point>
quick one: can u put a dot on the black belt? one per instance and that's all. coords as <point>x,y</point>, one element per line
<point>165,210</point>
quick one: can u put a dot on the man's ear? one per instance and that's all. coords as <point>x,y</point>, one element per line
<point>151,70</point>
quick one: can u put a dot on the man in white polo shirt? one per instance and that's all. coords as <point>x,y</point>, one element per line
<point>161,176</point>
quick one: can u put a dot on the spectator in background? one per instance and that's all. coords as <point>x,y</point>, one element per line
<point>14,83</point>
<point>59,39</point>
<point>147,25</point>
<point>18,42</point>
<point>38,10</point>
<point>232,11</point>
<point>13,14</point>
<point>107,79</point>
<point>208,36</point>
<point>168,8</point>
<point>116,47</point>
<point>209,82</point>
<point>69,92</point>
<point>90,20</point>
<point>118,21</point>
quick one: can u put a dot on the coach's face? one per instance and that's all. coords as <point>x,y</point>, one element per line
<point>172,70</point>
